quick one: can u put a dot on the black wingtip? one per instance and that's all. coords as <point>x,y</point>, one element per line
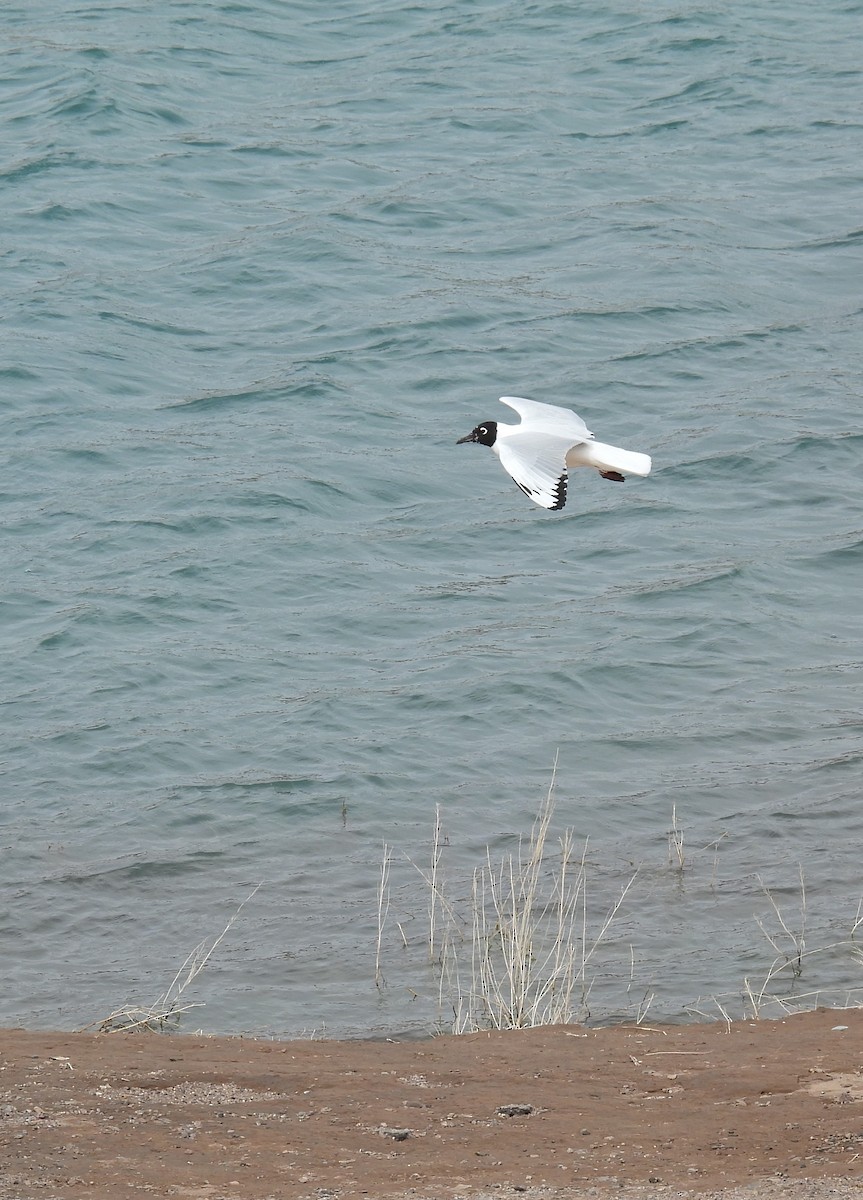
<point>558,495</point>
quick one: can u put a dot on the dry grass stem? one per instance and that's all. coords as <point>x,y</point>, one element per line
<point>383,910</point>
<point>437,894</point>
<point>433,880</point>
<point>797,940</point>
<point>675,841</point>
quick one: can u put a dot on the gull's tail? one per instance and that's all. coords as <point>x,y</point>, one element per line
<point>608,458</point>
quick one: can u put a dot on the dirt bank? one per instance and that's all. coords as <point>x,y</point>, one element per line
<point>561,1111</point>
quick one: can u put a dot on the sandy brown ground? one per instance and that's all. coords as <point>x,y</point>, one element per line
<point>555,1112</point>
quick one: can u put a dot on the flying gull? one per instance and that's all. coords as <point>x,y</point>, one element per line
<point>537,452</point>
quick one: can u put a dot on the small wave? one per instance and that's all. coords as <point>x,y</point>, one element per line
<point>694,578</point>
<point>850,554</point>
<point>717,343</point>
<point>85,102</point>
<point>459,589</point>
<point>146,870</point>
<point>807,442</point>
<point>837,762</point>
<point>18,374</point>
<point>723,465</point>
<point>23,168</point>
<point>216,399</point>
<point>650,129</point>
<point>136,321</point>
<point>834,241</point>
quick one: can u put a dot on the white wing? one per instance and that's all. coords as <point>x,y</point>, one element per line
<point>549,418</point>
<point>537,463</point>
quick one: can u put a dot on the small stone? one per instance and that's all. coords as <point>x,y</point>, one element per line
<point>398,1135</point>
<point>515,1110</point>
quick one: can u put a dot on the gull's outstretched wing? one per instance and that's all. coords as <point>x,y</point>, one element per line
<point>549,418</point>
<point>537,463</point>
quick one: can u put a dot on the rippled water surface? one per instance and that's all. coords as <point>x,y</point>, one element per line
<point>263,264</point>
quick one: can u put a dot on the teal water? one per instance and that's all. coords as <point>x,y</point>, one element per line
<point>263,265</point>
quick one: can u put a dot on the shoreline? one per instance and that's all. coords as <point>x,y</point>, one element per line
<point>558,1111</point>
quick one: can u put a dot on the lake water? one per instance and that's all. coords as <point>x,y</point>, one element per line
<point>263,265</point>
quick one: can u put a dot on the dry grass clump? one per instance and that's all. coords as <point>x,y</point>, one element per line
<point>165,1013</point>
<point>780,993</point>
<point>792,958</point>
<point>518,952</point>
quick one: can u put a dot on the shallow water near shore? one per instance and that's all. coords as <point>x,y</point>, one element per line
<point>263,266</point>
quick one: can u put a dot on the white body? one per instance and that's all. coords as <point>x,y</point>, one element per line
<point>538,452</point>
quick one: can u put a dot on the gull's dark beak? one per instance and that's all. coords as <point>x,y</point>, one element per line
<point>471,437</point>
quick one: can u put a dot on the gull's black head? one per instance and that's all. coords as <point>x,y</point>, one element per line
<point>485,434</point>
